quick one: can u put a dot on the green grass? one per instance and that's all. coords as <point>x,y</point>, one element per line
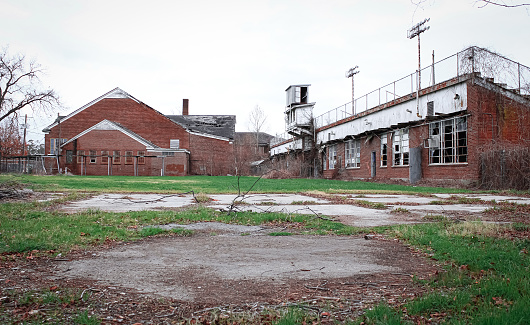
<point>208,184</point>
<point>485,279</point>
<point>280,233</point>
<point>27,227</point>
<point>487,276</point>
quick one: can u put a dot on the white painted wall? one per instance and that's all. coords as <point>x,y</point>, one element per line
<point>444,102</point>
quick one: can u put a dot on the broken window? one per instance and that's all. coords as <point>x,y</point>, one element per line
<point>448,141</point>
<point>80,156</point>
<point>104,157</point>
<point>332,156</point>
<point>93,156</point>
<point>400,142</point>
<point>384,150</point>
<point>353,153</point>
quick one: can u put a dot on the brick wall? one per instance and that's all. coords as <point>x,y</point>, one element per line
<point>110,141</point>
<point>210,156</point>
<point>139,118</point>
<point>494,117</point>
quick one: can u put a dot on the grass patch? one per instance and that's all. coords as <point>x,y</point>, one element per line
<point>304,203</point>
<point>400,210</point>
<point>209,184</point>
<point>486,280</point>
<point>182,232</point>
<point>280,233</point>
<point>25,227</point>
<point>435,218</point>
<point>151,231</point>
<point>369,204</point>
<point>202,198</point>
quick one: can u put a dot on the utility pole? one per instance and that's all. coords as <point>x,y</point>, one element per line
<point>416,30</point>
<point>351,73</point>
<point>25,127</point>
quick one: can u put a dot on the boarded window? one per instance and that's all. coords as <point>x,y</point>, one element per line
<point>69,156</point>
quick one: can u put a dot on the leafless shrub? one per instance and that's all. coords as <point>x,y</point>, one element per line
<point>505,167</point>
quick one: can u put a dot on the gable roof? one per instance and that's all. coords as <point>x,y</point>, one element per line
<point>219,125</point>
<point>115,93</point>
<point>113,126</point>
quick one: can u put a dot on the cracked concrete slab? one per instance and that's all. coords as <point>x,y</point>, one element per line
<point>159,266</point>
<point>129,202</point>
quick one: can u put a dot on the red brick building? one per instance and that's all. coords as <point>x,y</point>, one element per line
<point>439,131</point>
<point>116,134</point>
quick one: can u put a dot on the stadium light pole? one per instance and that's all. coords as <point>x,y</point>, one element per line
<point>350,74</point>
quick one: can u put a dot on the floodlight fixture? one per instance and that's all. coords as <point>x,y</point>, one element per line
<point>350,74</point>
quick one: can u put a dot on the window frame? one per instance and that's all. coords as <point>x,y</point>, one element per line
<point>80,156</point>
<point>384,150</point>
<point>55,145</point>
<point>332,156</point>
<point>448,141</point>
<point>129,157</point>
<point>93,157</point>
<point>352,153</point>
<point>141,157</point>
<point>400,148</point>
<point>104,157</point>
<point>116,157</point>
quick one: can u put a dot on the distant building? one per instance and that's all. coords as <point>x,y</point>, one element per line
<point>252,152</point>
<point>116,134</point>
<point>440,130</point>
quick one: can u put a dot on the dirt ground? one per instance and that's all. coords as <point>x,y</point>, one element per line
<point>162,280</point>
<point>234,269</point>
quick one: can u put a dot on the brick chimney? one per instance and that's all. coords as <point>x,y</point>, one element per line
<point>185,110</point>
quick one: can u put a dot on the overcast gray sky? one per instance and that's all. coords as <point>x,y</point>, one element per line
<point>228,56</point>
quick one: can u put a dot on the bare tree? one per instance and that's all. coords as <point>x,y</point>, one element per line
<point>256,120</point>
<point>501,3</point>
<point>20,86</point>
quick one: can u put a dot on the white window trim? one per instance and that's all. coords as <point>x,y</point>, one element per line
<point>398,139</point>
<point>352,149</point>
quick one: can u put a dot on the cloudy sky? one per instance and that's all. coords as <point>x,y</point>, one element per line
<point>228,56</point>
